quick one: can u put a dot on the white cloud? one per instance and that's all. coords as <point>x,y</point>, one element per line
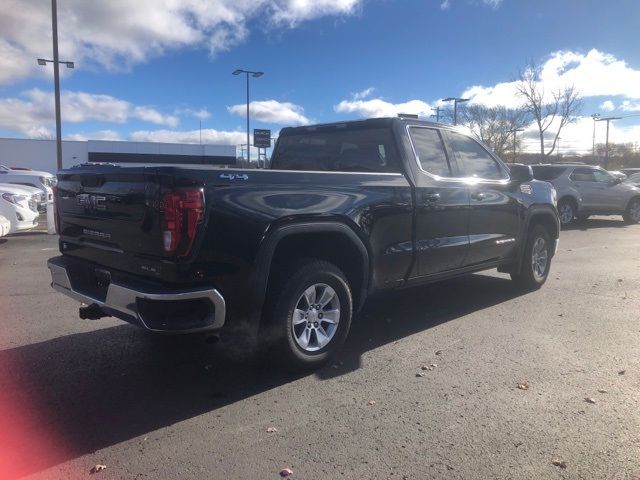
<point>577,137</point>
<point>607,106</point>
<point>272,111</point>
<point>446,4</point>
<point>201,114</point>
<point>492,3</point>
<point>190,136</point>
<point>118,34</point>
<point>593,74</point>
<point>376,107</point>
<point>628,106</point>
<point>361,95</point>
<point>33,115</point>
<point>99,135</point>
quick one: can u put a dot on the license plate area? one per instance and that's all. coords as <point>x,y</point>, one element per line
<point>90,281</point>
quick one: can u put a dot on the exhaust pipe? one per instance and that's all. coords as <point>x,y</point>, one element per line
<point>92,312</point>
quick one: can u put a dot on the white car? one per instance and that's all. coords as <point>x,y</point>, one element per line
<point>41,205</point>
<point>5,226</point>
<point>19,206</point>
<point>43,181</point>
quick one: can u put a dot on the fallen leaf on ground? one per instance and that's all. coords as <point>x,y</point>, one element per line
<point>590,400</point>
<point>626,296</point>
<point>622,372</point>
<point>285,472</point>
<point>272,430</point>
<point>371,402</point>
<point>420,374</point>
<point>602,390</point>
<point>97,468</point>
<point>433,365</point>
<point>523,386</point>
<point>426,367</point>
<point>438,352</point>
<point>559,463</point>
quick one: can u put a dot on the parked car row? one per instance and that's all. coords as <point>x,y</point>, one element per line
<point>19,206</point>
<point>585,190</point>
<point>42,181</point>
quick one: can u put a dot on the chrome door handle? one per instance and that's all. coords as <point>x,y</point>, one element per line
<point>432,197</point>
<point>478,196</point>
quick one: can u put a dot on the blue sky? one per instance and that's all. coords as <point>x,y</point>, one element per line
<point>158,77</point>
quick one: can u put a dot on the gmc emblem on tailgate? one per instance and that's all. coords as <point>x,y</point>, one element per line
<point>91,202</point>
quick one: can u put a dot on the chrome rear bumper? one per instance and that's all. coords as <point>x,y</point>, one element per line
<point>123,301</point>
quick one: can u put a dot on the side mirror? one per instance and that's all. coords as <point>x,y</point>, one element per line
<point>616,181</point>
<point>520,173</point>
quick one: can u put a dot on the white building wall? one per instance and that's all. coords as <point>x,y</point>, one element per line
<point>41,154</point>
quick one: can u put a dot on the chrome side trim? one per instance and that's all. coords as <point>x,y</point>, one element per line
<point>556,244</point>
<point>123,300</point>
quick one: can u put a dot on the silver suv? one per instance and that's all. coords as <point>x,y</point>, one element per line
<point>585,190</point>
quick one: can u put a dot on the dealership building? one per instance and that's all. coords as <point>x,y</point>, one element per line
<point>41,154</point>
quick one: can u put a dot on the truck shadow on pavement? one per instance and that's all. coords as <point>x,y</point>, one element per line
<point>76,394</point>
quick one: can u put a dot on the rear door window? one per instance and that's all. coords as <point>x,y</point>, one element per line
<point>430,151</point>
<point>544,172</point>
<point>473,160</point>
<point>337,150</point>
<point>583,175</point>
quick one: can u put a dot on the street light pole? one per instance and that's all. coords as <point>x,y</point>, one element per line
<point>558,154</point>
<point>256,75</point>
<point>606,147</point>
<point>56,81</point>
<point>455,101</point>
<point>593,148</point>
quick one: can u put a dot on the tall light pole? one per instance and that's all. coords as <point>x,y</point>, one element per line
<point>455,101</point>
<point>515,131</point>
<point>595,116</point>
<point>253,74</point>
<point>606,148</point>
<point>558,154</point>
<point>56,79</point>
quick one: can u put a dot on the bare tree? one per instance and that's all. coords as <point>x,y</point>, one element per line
<point>492,124</point>
<point>562,104</point>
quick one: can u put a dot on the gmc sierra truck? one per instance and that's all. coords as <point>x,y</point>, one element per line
<point>344,211</point>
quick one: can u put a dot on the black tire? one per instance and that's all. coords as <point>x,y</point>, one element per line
<point>566,211</point>
<point>529,278</point>
<point>632,213</point>
<point>288,293</point>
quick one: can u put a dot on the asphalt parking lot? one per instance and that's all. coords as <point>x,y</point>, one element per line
<point>74,394</point>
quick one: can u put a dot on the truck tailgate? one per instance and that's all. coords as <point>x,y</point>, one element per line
<point>111,208</point>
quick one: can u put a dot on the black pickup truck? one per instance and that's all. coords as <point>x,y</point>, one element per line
<point>344,211</point>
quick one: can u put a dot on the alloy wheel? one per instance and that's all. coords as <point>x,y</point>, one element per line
<point>315,318</point>
<point>539,258</point>
<point>566,213</point>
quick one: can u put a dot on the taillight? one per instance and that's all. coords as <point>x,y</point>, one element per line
<point>182,211</point>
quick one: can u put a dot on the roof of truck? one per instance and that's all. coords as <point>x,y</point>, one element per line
<point>365,123</point>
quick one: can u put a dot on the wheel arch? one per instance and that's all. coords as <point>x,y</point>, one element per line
<point>571,199</point>
<point>332,241</point>
<point>545,215</point>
